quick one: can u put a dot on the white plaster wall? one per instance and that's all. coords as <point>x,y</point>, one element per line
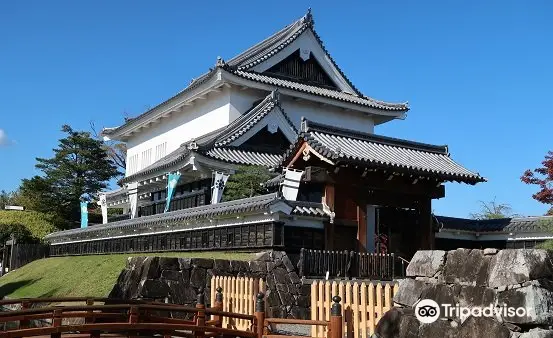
<point>332,116</point>
<point>242,100</point>
<point>196,120</point>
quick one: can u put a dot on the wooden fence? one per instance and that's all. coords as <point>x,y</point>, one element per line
<point>26,253</point>
<point>239,296</point>
<point>347,264</point>
<point>362,305</point>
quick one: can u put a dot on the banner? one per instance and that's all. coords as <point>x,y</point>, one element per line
<point>132,192</point>
<point>291,184</point>
<point>84,214</point>
<point>104,206</point>
<point>172,180</point>
<point>218,187</point>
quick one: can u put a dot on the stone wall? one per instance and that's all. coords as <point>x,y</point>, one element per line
<point>178,280</point>
<point>475,278</point>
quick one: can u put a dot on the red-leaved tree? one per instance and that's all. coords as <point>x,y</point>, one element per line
<point>542,177</point>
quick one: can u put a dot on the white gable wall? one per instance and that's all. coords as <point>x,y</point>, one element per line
<point>166,136</point>
<point>242,100</point>
<point>331,116</point>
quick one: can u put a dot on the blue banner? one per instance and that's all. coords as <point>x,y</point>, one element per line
<point>172,180</point>
<point>84,214</point>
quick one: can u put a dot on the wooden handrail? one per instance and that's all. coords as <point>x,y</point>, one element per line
<point>295,321</point>
<point>118,327</point>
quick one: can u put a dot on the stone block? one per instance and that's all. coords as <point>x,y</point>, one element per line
<point>490,251</point>
<point>281,276</point>
<point>222,265</point>
<point>239,266</point>
<point>185,263</point>
<point>515,266</point>
<point>537,300</point>
<point>537,333</point>
<point>441,293</point>
<point>174,275</point>
<point>440,328</point>
<point>202,263</point>
<point>197,277</point>
<point>258,267</point>
<point>169,263</point>
<point>471,296</point>
<point>152,288</point>
<point>426,263</point>
<point>288,263</point>
<point>482,327</point>
<point>409,292</point>
<point>294,278</point>
<point>150,268</point>
<point>466,267</point>
<point>398,323</point>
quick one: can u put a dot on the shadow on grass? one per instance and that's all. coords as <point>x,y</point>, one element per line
<point>9,288</point>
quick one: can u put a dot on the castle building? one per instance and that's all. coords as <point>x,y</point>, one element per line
<point>284,104</point>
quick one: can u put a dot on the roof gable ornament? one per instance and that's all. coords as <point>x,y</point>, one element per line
<point>192,145</point>
<point>220,62</point>
<point>308,18</point>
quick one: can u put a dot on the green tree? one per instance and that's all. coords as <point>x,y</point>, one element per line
<point>493,210</point>
<point>79,169</point>
<point>246,182</point>
<point>5,198</point>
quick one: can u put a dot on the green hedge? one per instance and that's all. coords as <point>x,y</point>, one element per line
<point>27,225</point>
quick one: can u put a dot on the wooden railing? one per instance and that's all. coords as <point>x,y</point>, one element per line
<point>363,304</point>
<point>135,318</point>
<point>351,264</point>
<point>239,296</point>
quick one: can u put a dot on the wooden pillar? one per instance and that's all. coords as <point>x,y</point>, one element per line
<point>362,227</point>
<point>328,199</point>
<point>426,231</point>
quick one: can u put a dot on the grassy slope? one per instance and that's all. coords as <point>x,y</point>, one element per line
<point>80,276</point>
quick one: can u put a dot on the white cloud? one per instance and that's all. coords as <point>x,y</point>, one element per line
<point>4,140</point>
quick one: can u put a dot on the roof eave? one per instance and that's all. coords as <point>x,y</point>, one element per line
<point>347,106</point>
<point>173,104</point>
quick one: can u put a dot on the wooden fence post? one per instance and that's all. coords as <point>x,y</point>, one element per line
<point>56,322</point>
<point>302,262</point>
<point>24,323</point>
<point>200,314</point>
<point>219,306</point>
<point>259,315</point>
<point>336,330</point>
<point>88,320</point>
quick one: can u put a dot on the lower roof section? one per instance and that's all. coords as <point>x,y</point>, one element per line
<point>253,210</point>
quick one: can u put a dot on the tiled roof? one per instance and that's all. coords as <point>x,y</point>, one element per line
<point>320,91</point>
<point>515,225</point>
<point>136,120</point>
<point>246,205</point>
<point>343,145</point>
<point>307,209</point>
<point>280,40</point>
<point>175,156</point>
<point>247,121</point>
<point>239,156</point>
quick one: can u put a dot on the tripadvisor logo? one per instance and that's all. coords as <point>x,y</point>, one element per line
<point>428,311</point>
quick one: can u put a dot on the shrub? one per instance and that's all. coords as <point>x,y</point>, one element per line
<point>28,226</point>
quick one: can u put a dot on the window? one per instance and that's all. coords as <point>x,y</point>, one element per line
<point>132,165</point>
<point>161,150</point>
<point>146,158</point>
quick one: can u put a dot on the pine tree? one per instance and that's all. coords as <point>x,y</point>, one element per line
<point>79,169</point>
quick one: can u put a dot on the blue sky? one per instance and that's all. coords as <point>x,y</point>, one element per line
<point>477,74</point>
